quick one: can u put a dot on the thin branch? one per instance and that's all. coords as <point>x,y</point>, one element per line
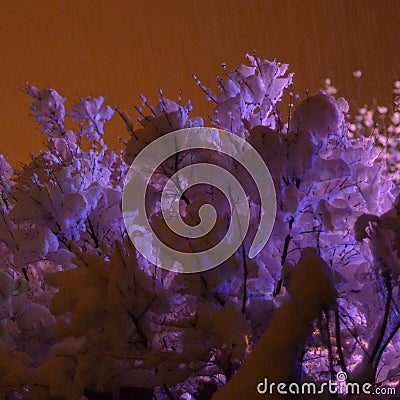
<point>339,342</point>
<point>386,343</point>
<point>330,351</point>
<point>168,392</point>
<point>375,350</point>
<point>245,277</point>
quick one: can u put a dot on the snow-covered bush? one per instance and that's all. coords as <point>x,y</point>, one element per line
<point>383,123</point>
<point>83,314</point>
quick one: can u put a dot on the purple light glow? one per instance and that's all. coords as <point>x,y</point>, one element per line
<point>83,314</point>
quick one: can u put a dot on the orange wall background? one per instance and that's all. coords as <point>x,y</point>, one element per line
<point>121,49</point>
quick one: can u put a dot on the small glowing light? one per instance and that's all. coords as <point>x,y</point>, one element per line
<point>382,109</point>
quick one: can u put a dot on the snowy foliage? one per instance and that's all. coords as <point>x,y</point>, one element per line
<point>249,95</point>
<point>383,123</point>
<point>82,314</point>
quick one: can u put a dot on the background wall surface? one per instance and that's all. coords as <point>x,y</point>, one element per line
<point>121,49</point>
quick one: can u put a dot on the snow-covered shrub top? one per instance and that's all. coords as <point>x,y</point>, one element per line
<point>249,95</point>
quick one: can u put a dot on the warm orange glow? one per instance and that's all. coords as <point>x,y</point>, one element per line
<point>121,49</point>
